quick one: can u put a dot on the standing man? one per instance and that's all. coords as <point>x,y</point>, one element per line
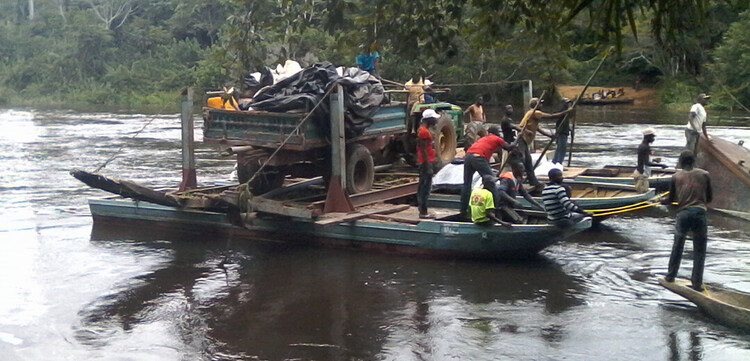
<point>691,189</point>
<point>475,127</point>
<point>367,59</point>
<point>477,159</point>
<point>425,160</point>
<point>696,123</point>
<point>561,210</point>
<point>507,126</point>
<point>643,168</point>
<point>562,127</point>
<point>530,126</point>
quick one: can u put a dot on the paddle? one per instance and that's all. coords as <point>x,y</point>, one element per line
<point>573,128</point>
<point>565,117</point>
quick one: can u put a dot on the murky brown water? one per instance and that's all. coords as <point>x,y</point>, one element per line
<point>74,291</point>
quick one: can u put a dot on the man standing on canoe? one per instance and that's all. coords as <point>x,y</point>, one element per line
<point>425,159</point>
<point>507,126</point>
<point>696,123</point>
<point>691,189</point>
<point>530,126</point>
<point>643,169</point>
<point>477,159</point>
<point>561,210</point>
<point>562,132</point>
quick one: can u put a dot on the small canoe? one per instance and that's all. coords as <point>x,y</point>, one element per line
<point>401,232</point>
<point>603,199</point>
<point>728,306</point>
<point>659,180</point>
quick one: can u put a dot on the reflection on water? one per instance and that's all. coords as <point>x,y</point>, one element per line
<point>73,291</point>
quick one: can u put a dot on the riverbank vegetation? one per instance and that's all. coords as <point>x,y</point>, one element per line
<point>137,54</point>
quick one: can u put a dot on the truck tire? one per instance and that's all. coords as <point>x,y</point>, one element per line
<point>444,140</point>
<point>270,179</point>
<point>360,169</point>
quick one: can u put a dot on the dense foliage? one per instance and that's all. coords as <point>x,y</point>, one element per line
<point>139,53</point>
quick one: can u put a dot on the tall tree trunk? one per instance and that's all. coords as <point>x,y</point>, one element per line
<point>31,9</point>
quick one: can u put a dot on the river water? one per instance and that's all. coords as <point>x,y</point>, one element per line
<point>71,290</point>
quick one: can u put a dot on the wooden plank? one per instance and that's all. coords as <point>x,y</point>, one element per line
<point>394,218</point>
<point>348,217</point>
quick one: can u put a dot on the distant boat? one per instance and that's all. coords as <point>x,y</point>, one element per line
<point>728,306</point>
<point>606,101</point>
<point>729,166</point>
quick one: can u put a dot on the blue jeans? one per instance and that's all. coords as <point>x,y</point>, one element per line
<point>562,146</point>
<point>689,220</point>
<point>473,163</point>
<point>423,188</point>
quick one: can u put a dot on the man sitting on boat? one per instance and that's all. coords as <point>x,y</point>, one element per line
<point>561,210</point>
<point>482,204</point>
<point>508,187</point>
<point>643,169</point>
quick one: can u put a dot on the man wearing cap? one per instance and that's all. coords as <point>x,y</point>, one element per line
<point>643,169</point>
<point>482,204</point>
<point>696,123</point>
<point>530,126</point>
<point>425,160</point>
<point>477,159</point>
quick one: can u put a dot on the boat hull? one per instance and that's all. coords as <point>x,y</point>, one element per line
<point>730,307</point>
<point>729,166</point>
<point>432,238</point>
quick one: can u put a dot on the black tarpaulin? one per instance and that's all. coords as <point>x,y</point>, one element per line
<point>363,93</point>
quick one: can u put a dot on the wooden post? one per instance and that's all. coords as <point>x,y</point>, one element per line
<point>527,94</point>
<point>188,148</point>
<point>337,200</point>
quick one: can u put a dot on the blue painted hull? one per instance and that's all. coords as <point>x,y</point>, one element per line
<point>431,237</point>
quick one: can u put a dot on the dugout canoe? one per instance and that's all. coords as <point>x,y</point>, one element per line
<point>728,306</point>
<point>617,174</point>
<point>729,166</point>
<point>401,232</point>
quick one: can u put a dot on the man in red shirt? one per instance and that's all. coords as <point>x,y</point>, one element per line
<point>477,159</point>
<point>425,160</point>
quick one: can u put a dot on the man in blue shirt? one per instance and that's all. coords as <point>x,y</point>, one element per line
<point>367,59</point>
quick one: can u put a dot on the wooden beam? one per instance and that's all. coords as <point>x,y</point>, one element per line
<point>353,216</point>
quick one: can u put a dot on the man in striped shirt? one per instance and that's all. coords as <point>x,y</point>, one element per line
<point>561,210</point>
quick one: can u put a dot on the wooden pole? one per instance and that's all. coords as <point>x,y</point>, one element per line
<point>575,103</point>
<point>337,200</point>
<point>188,147</point>
<point>573,128</point>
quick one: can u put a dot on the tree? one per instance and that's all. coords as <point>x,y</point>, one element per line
<point>731,67</point>
<point>113,13</point>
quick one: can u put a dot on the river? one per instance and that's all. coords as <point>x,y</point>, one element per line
<point>71,290</point>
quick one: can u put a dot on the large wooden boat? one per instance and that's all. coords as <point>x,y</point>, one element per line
<point>399,232</point>
<point>602,199</point>
<point>729,166</point>
<point>728,306</point>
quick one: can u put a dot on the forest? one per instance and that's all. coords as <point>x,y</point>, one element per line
<point>138,54</point>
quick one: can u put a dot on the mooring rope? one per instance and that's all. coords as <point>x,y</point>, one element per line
<point>117,153</point>
<point>632,207</point>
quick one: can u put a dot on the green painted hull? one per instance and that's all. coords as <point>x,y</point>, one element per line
<point>431,237</point>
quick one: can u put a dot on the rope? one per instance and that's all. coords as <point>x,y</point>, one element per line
<point>333,86</point>
<point>631,207</point>
<point>117,153</point>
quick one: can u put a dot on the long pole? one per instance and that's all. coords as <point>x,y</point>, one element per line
<point>565,117</point>
<point>573,128</point>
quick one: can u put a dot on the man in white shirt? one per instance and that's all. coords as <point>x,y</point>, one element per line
<point>696,123</point>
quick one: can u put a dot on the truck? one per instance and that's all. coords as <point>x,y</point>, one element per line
<point>253,136</point>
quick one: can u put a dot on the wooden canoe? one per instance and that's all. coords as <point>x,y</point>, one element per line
<point>729,166</point>
<point>728,306</point>
<point>606,101</point>
<point>402,232</point>
<point>659,180</point>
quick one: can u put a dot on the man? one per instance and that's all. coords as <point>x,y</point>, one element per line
<point>425,160</point>
<point>476,111</point>
<point>507,126</point>
<point>367,59</point>
<point>691,189</point>
<point>561,210</point>
<point>415,87</point>
<point>508,187</point>
<point>477,159</point>
<point>696,123</point>
<point>562,127</point>
<point>475,127</point>
<point>643,168</point>
<point>530,126</point>
<point>482,204</point>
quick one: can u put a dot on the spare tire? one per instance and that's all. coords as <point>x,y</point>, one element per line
<point>270,179</point>
<point>444,139</point>
<point>360,169</point>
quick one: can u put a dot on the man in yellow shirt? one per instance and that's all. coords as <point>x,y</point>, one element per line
<point>482,204</point>
<point>530,126</point>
